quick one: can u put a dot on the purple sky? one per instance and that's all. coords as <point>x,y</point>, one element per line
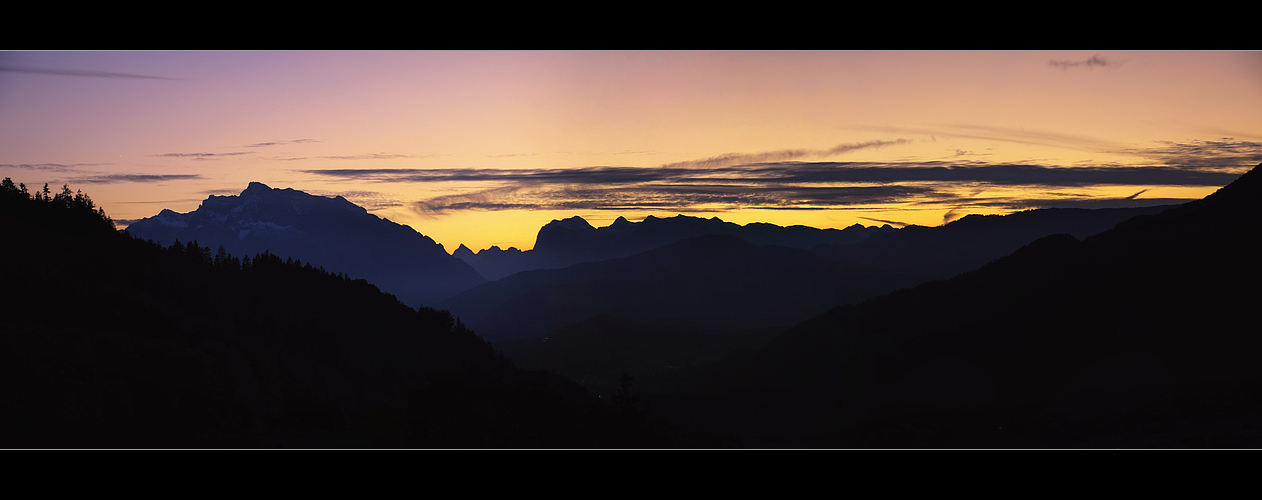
<point>483,148</point>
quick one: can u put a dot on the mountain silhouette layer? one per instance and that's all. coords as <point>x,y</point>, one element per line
<point>969,242</point>
<point>563,243</point>
<point>923,252</point>
<point>719,281</point>
<point>332,233</point>
<point>1136,337</point>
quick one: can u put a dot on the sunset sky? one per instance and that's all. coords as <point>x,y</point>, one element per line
<point>483,148</point>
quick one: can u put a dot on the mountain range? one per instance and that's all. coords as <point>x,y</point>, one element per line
<point>719,281</point>
<point>563,243</point>
<point>332,233</point>
<point>729,277</point>
<point>1135,337</point>
<point>116,342</point>
<point>1116,330</point>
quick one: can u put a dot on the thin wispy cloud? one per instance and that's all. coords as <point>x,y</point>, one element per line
<point>512,155</point>
<point>222,192</point>
<point>51,167</point>
<point>1094,62</point>
<point>369,200</point>
<point>489,199</point>
<point>81,73</point>
<point>369,156</point>
<point>1133,196</point>
<point>890,222</point>
<point>782,155</point>
<point>157,202</point>
<point>1029,137</point>
<point>372,156</point>
<point>203,155</point>
<point>280,143</point>
<point>1005,203</point>
<point>116,178</point>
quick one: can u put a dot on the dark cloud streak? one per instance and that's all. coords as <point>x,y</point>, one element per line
<point>1094,61</point>
<point>51,167</point>
<point>782,155</point>
<point>83,73</point>
<point>808,172</point>
<point>115,178</point>
<point>203,155</point>
<point>1224,154</point>
<point>280,143</point>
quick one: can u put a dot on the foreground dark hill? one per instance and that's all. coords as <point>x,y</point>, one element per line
<point>110,341</point>
<point>1140,336</point>
<point>563,243</point>
<point>663,355</point>
<point>329,232</point>
<point>717,281</point>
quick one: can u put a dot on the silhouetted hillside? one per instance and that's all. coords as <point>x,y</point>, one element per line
<point>1136,337</point>
<point>329,232</point>
<point>110,341</point>
<point>663,355</point>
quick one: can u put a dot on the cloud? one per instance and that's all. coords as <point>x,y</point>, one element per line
<point>82,73</point>
<point>1224,154</point>
<point>890,222</point>
<point>952,214</point>
<point>159,202</point>
<point>115,178</point>
<point>50,167</point>
<point>720,183</point>
<point>691,197</point>
<point>279,143</point>
<point>489,199</point>
<point>370,200</point>
<point>1006,134</point>
<point>785,173</point>
<point>370,156</point>
<point>782,155</point>
<point>1094,61</point>
<point>203,156</point>
<point>373,156</point>
<point>511,155</point>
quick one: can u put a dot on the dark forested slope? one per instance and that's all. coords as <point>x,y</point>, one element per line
<point>109,341</point>
<point>1127,338</point>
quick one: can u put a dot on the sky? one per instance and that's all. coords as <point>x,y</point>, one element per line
<point>483,148</point>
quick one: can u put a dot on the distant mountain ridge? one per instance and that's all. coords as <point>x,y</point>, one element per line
<point>924,252</point>
<point>969,242</point>
<point>685,278</point>
<point>563,243</point>
<point>329,232</point>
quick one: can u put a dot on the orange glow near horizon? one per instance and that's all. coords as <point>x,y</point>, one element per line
<point>483,148</point>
